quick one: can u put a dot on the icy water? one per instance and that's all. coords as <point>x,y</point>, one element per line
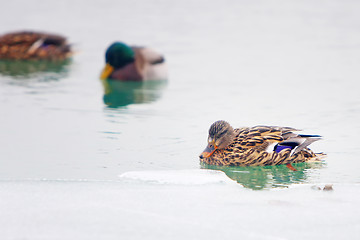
<point>86,159</point>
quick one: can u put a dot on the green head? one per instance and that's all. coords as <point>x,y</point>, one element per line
<point>119,54</point>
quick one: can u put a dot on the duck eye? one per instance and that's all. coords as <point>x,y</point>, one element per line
<point>210,145</point>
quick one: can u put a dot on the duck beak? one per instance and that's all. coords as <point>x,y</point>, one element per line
<point>209,150</point>
<point>106,72</point>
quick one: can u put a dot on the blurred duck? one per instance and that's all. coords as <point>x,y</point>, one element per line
<point>257,146</point>
<point>27,45</point>
<point>133,63</point>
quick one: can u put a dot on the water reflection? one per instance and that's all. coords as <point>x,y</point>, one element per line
<point>119,93</point>
<point>258,178</point>
<point>20,69</point>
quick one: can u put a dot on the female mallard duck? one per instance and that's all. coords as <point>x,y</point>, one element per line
<point>257,146</point>
<point>33,46</point>
<point>133,63</point>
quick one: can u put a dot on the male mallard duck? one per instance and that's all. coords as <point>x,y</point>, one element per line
<point>257,146</point>
<point>133,63</point>
<point>33,45</point>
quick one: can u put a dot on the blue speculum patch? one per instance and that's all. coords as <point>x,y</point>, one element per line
<point>278,148</point>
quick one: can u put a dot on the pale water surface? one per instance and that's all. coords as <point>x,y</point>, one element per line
<point>85,159</point>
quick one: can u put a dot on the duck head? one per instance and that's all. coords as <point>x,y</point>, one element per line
<point>117,56</point>
<point>221,135</point>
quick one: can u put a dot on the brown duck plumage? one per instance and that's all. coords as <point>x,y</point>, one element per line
<point>33,46</point>
<point>257,146</point>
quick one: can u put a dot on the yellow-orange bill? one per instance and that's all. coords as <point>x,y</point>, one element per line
<point>208,151</point>
<point>106,72</point>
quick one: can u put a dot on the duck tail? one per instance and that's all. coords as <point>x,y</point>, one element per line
<point>297,143</point>
<point>318,157</point>
<point>307,140</point>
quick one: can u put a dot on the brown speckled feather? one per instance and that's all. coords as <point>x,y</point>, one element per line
<point>34,46</point>
<point>249,145</point>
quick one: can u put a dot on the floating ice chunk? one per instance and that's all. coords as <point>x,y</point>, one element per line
<point>181,177</point>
